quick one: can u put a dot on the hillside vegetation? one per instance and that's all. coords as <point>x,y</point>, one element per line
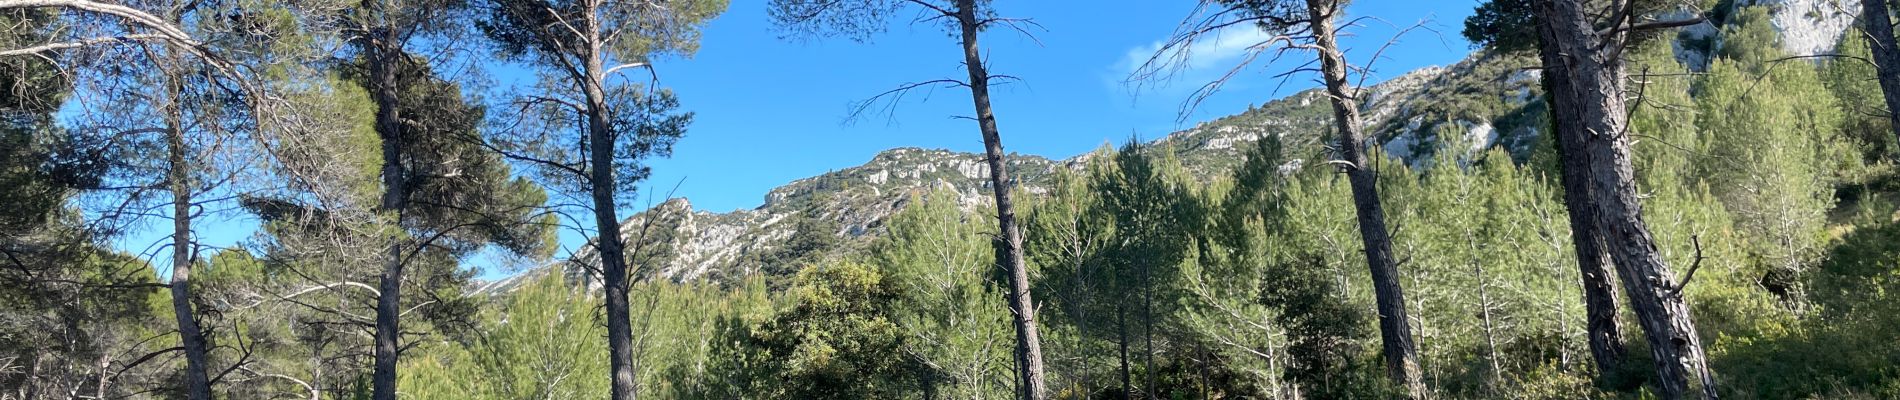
<point>1225,261</point>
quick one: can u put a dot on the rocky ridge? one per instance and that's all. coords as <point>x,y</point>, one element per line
<point>1485,101</point>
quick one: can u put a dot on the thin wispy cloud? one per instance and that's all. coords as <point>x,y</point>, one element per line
<point>1202,61</point>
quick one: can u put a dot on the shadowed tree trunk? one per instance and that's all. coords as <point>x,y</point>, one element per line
<point>1593,264</point>
<point>1584,78</point>
<point>1878,22</point>
<point>1121,322</point>
<point>1021,304</point>
<point>381,54</point>
<point>1401,355</point>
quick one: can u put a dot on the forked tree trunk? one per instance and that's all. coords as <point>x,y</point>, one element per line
<point>178,175</point>
<point>1588,110</point>
<point>1593,263</point>
<point>1021,304</point>
<point>1401,355</point>
<point>382,55</point>
<point>1878,22</point>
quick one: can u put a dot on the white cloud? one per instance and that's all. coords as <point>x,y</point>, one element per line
<point>1214,54</point>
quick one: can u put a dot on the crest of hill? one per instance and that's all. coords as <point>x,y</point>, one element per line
<point>1486,100</point>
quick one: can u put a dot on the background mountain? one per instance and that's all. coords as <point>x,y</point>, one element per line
<point>1483,101</point>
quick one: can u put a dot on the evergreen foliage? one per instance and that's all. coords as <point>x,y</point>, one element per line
<point>1164,270</point>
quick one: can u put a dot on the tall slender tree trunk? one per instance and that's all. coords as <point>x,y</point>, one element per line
<point>382,55</point>
<point>1121,323</point>
<point>1028,342</point>
<point>1401,355</point>
<point>178,175</point>
<point>1148,333</point>
<point>1587,108</point>
<point>1490,326</point>
<point>612,246</point>
<point>1879,25</point>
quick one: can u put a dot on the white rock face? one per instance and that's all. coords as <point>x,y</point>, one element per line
<point>1401,145</point>
<point>1810,27</point>
<point>1478,137</point>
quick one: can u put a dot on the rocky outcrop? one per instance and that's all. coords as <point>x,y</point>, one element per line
<point>1482,102</point>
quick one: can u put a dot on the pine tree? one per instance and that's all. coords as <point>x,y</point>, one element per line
<point>585,43</point>
<point>860,18</point>
<point>943,261</point>
<point>1771,158</point>
<point>1583,68</point>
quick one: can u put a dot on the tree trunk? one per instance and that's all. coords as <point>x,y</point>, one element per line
<point>382,55</point>
<point>1880,40</point>
<point>1028,342</point>
<point>1121,323</point>
<point>608,240</point>
<point>1148,331</point>
<point>197,381</point>
<point>1401,356</point>
<point>1585,82</point>
<point>1490,326</point>
<point>1593,264</point>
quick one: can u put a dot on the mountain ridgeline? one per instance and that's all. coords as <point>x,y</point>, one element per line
<point>1486,100</point>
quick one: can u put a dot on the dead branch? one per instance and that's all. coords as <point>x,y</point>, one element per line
<point>891,98</point>
<point>1693,266</point>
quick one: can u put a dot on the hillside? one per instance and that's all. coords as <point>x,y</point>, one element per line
<point>1482,101</point>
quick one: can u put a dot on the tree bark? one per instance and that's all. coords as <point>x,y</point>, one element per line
<point>1593,265</point>
<point>178,175</point>
<point>1588,111</point>
<point>1401,355</point>
<point>382,54</point>
<point>1028,342</point>
<point>1881,43</point>
<point>611,246</point>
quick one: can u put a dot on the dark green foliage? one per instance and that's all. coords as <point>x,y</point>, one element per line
<point>1324,331</point>
<point>461,196</point>
<point>836,339</point>
<point>813,237</point>
<point>66,301</point>
<point>1113,265</point>
<point>1502,25</point>
<point>40,164</point>
<point>1275,15</point>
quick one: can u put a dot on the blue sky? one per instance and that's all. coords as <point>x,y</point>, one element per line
<point>771,110</point>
